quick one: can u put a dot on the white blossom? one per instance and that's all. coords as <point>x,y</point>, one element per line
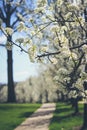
<point>9,30</point>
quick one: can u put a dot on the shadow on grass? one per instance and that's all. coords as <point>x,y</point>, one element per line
<point>59,114</point>
<point>64,113</point>
<point>25,115</point>
<point>11,115</point>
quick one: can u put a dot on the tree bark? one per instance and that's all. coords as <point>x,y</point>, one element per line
<point>85,116</point>
<point>85,104</point>
<point>11,90</point>
<point>76,107</point>
<point>74,103</point>
<point>46,94</point>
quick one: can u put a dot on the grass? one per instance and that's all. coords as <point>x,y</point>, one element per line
<point>64,119</point>
<point>11,115</point>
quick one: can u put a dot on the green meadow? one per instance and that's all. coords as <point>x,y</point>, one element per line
<point>11,115</point>
<point>64,119</point>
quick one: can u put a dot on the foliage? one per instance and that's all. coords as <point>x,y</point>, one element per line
<point>59,27</point>
<point>58,33</point>
<point>55,31</point>
<point>35,89</point>
<point>64,35</point>
<point>3,93</point>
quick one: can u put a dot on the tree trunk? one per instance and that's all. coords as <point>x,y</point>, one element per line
<point>11,91</point>
<point>76,106</point>
<point>85,104</point>
<point>74,103</point>
<point>46,94</point>
<point>84,127</point>
<point>85,115</point>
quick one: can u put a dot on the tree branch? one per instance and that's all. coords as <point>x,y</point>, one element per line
<point>58,52</point>
<point>13,43</point>
<point>1,15</point>
<point>47,54</point>
<point>2,45</point>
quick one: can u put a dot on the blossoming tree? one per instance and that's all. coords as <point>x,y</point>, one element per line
<point>57,28</point>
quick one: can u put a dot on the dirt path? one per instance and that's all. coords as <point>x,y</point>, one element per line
<point>40,119</point>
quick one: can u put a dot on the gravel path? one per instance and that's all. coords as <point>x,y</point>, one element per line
<point>40,120</point>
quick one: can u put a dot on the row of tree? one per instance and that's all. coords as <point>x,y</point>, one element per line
<point>56,32</point>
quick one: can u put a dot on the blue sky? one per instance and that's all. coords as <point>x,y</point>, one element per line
<point>23,68</point>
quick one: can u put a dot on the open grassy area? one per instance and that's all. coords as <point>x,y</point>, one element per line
<point>64,119</point>
<point>11,115</point>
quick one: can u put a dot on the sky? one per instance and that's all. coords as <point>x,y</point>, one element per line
<point>22,67</point>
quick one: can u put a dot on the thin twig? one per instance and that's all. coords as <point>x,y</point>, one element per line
<point>13,42</point>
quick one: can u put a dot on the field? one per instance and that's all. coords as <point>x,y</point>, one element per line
<point>64,119</point>
<point>11,115</point>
